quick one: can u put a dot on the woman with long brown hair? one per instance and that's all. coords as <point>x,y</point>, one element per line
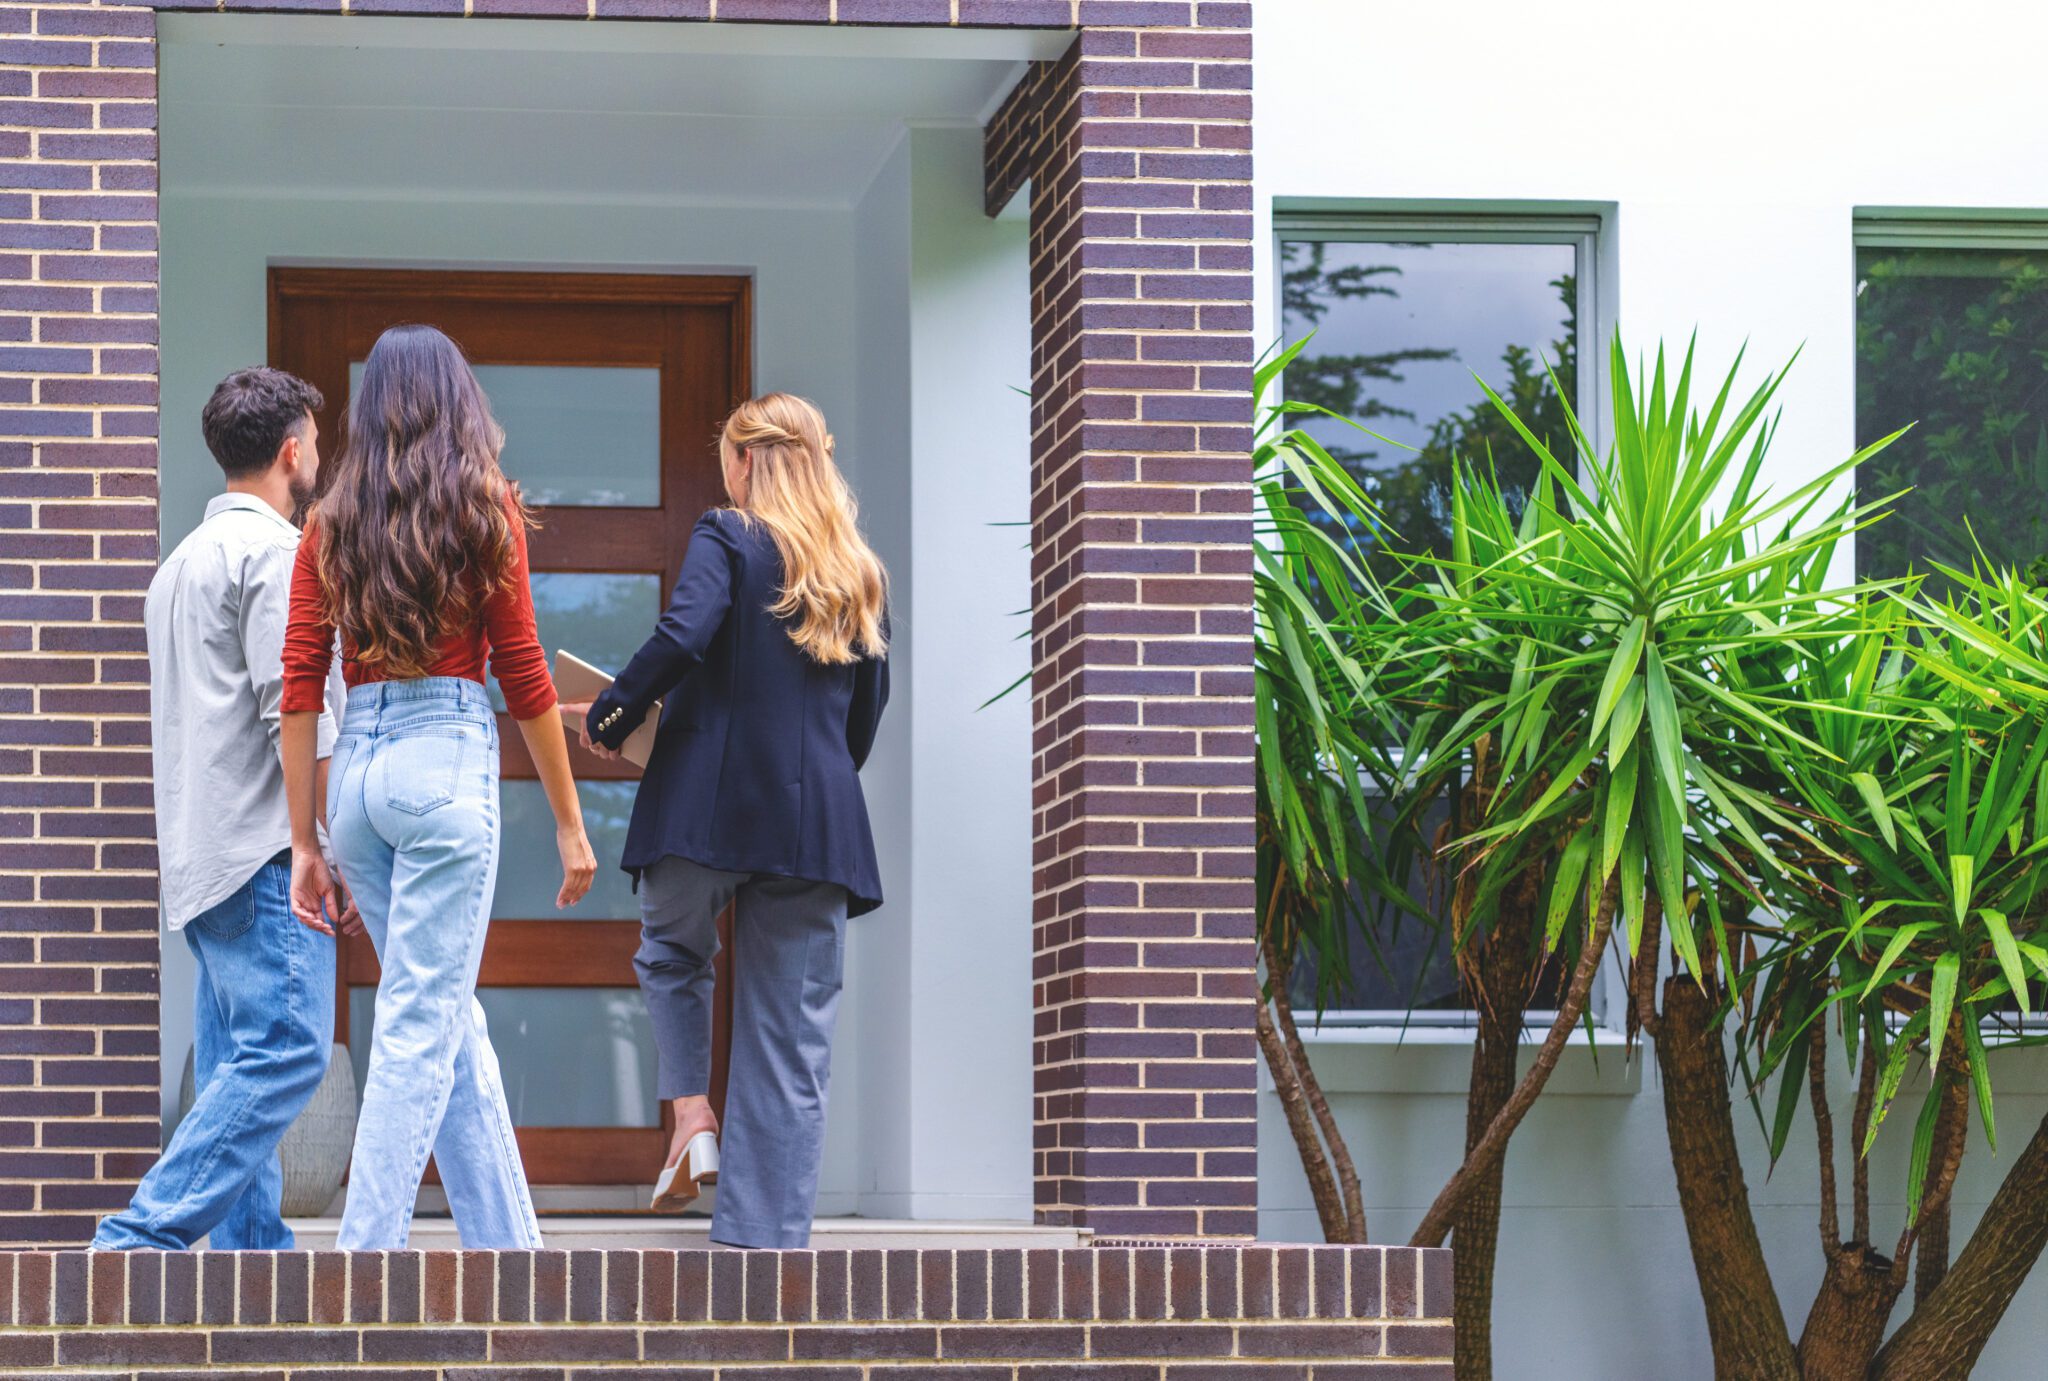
<point>416,554</point>
<point>773,658</point>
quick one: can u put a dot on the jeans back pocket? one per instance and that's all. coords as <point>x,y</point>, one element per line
<point>231,917</point>
<point>423,768</point>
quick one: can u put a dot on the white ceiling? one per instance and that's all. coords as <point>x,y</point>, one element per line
<point>369,108</point>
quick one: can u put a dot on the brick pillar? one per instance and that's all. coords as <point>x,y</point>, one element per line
<point>1137,145</point>
<point>78,525</point>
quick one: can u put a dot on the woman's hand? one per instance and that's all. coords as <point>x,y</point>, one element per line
<point>578,711</point>
<point>579,864</point>
<point>314,897</point>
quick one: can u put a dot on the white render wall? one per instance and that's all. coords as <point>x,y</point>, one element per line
<point>1728,147</point>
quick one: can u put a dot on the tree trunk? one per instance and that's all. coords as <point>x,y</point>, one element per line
<point>1946,1333</point>
<point>1744,1320</point>
<point>1951,1133</point>
<point>1341,1166</point>
<point>1288,1083</point>
<point>1493,1146</point>
<point>1846,1323</point>
<point>1502,972</point>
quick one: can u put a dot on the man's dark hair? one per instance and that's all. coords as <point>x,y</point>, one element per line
<point>250,415</point>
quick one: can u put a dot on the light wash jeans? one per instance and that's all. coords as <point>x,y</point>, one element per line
<point>263,1018</point>
<point>412,807</point>
<point>789,949</point>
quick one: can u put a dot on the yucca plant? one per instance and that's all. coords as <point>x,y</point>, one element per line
<point>1323,765</point>
<point>1918,928</point>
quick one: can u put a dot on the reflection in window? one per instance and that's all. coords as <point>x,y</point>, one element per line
<point>601,618</point>
<point>1402,969</point>
<point>1400,327</point>
<point>575,435</point>
<point>1954,342</point>
<point>571,1057</point>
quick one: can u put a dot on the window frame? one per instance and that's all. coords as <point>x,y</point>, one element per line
<point>1909,227</point>
<point>1585,230</point>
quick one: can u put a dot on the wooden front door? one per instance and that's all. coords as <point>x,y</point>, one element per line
<point>611,389</point>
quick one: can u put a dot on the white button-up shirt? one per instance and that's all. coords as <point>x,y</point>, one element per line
<point>215,620</point>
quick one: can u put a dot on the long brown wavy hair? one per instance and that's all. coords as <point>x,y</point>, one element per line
<point>833,586</point>
<point>415,523</point>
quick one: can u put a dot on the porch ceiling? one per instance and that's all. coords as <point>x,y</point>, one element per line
<point>755,115</point>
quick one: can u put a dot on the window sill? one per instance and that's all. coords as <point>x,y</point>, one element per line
<point>1438,1060</point>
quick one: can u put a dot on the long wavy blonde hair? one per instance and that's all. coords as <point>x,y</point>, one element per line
<point>833,586</point>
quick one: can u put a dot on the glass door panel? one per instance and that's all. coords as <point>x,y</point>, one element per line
<point>530,870</point>
<point>570,1057</point>
<point>575,436</point>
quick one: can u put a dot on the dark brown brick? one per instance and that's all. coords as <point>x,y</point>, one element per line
<point>865,1286</point>
<point>658,1286</point>
<point>1006,1283</point>
<point>622,1286</point>
<point>137,1348</point>
<point>181,1288</point>
<point>425,1344</point>
<point>902,1275</point>
<point>976,1341</point>
<point>693,1286</point>
<point>145,1287</point>
<point>402,1286</point>
<point>441,1287</point>
<point>515,1286</point>
<point>564,1345</point>
<point>728,1287</point>
<point>244,1345</point>
<point>1403,1283</point>
<point>366,1287</point>
<point>830,1301</point>
<point>480,1286</point>
<point>848,1344</point>
<point>733,1343</point>
<point>330,1287</point>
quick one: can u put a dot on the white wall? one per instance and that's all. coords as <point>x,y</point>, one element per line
<point>944,327</point>
<point>1730,145</point>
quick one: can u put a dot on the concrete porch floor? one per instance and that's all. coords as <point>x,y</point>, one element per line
<point>584,1232</point>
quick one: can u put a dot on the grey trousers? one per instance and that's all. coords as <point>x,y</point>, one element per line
<point>789,941</point>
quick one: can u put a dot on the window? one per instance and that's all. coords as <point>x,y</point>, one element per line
<point>1404,311</point>
<point>1952,337</point>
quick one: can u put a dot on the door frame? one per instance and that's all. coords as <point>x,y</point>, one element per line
<point>550,954</point>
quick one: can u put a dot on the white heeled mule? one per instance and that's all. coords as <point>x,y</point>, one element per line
<point>681,1182</point>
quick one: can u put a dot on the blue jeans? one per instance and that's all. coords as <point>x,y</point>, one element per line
<point>412,810</point>
<point>264,1025</point>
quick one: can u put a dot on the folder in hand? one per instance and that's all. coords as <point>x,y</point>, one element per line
<point>577,681</point>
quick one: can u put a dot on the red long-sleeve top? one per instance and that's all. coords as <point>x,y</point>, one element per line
<point>505,635</point>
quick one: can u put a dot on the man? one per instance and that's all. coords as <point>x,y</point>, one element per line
<point>264,1000</point>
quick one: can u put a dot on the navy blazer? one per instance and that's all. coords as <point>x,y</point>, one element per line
<point>756,763</point>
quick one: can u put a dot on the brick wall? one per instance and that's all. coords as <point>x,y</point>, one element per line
<point>1138,150</point>
<point>78,946</point>
<point>1213,1314</point>
<point>1137,146</point>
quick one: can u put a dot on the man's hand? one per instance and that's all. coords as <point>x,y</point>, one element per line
<point>314,897</point>
<point>351,922</point>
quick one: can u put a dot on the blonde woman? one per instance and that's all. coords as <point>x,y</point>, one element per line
<point>772,660</point>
